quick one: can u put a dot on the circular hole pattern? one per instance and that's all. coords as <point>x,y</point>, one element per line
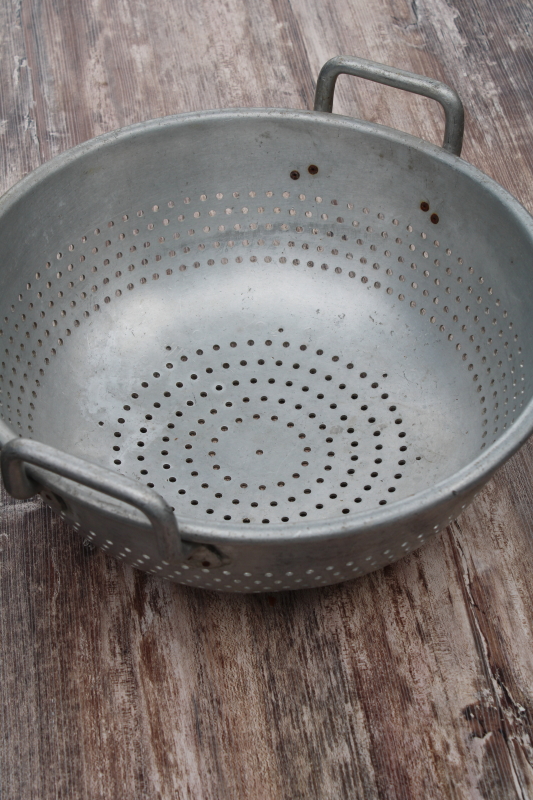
<point>231,457</point>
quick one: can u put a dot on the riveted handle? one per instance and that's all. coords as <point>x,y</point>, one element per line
<point>399,79</point>
<point>18,452</point>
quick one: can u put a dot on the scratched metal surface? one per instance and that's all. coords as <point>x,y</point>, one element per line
<point>413,682</point>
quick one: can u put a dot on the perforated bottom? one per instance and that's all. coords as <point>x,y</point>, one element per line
<point>264,431</point>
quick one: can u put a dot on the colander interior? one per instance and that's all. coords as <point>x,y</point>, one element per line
<point>263,345</point>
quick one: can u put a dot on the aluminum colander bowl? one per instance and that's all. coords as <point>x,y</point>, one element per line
<point>264,349</point>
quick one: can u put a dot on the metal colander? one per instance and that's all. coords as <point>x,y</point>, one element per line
<point>309,334</point>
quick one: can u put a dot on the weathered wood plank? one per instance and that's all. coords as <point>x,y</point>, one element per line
<point>414,682</point>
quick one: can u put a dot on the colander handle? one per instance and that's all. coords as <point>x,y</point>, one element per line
<point>399,79</point>
<point>18,452</point>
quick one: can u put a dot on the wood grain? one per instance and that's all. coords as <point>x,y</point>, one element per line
<point>413,682</point>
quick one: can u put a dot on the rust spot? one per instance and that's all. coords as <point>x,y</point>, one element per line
<point>424,206</point>
<point>434,218</point>
<point>295,174</point>
<point>312,169</point>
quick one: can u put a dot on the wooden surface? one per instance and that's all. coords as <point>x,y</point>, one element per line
<point>414,682</point>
